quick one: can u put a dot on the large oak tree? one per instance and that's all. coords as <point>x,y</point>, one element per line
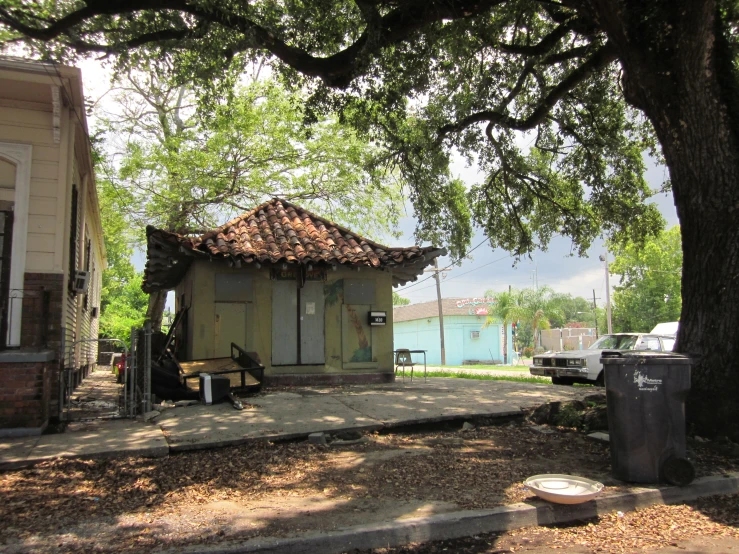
<point>548,98</point>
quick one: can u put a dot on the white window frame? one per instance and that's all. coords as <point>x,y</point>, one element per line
<point>19,155</point>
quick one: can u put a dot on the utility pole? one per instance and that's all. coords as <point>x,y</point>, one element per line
<point>595,315</point>
<point>608,293</point>
<point>441,311</point>
<point>436,271</point>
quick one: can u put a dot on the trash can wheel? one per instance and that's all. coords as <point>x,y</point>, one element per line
<point>678,471</point>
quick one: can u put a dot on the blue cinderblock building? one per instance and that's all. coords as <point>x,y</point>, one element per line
<point>416,327</point>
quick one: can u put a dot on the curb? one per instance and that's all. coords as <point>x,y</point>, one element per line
<point>472,522</point>
<point>159,451</point>
<point>189,447</point>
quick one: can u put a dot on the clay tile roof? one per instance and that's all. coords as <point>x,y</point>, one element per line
<point>274,232</point>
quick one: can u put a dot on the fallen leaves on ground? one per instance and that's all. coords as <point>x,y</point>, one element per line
<point>642,530</point>
<point>136,504</point>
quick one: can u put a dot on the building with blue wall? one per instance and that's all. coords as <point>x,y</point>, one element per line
<point>416,327</point>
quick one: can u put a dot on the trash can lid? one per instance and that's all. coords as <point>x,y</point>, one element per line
<point>619,357</point>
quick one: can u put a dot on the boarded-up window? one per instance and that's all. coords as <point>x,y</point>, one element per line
<point>359,291</point>
<point>234,287</point>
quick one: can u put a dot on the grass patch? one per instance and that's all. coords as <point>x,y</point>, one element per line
<point>485,377</point>
<point>496,367</point>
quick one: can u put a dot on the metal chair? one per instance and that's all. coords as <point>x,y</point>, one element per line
<point>403,359</point>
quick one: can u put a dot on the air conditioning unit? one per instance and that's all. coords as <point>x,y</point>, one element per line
<point>81,281</point>
<point>474,334</point>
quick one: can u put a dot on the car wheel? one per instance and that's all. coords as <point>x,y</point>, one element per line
<point>562,381</point>
<point>601,380</point>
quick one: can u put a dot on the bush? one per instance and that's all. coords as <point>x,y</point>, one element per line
<point>528,352</point>
<point>568,416</point>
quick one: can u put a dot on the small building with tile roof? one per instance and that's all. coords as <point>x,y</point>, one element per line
<point>466,337</point>
<point>290,285</point>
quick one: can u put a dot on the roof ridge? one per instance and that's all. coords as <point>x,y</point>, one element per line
<point>286,203</point>
<point>338,226</point>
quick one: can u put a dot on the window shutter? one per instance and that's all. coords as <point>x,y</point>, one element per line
<point>73,239</point>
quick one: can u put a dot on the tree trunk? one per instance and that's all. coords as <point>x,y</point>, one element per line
<point>155,312</point>
<point>678,71</point>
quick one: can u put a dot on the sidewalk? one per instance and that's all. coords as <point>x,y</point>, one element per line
<point>281,415</point>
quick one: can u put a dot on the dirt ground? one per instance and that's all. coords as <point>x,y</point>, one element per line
<point>265,489</point>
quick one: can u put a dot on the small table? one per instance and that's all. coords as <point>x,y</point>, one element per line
<point>410,353</point>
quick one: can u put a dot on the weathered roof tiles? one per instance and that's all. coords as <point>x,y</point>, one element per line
<point>274,232</point>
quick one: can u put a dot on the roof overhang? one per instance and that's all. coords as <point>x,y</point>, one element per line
<point>169,256</point>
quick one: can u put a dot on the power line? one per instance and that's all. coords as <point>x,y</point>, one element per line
<point>450,263</point>
<point>487,264</point>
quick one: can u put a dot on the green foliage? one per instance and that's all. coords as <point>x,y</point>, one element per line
<point>568,416</point>
<point>508,307</point>
<point>188,171</point>
<point>123,303</point>
<point>526,91</point>
<point>486,377</point>
<point>569,309</point>
<point>534,309</point>
<point>649,292</point>
<point>399,300</point>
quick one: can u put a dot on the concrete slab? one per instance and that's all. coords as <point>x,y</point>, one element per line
<point>442,399</point>
<point>15,451</point>
<point>274,416</point>
<point>98,439</point>
<point>286,415</point>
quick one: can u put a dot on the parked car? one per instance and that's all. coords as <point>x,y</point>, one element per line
<point>583,366</point>
<point>120,368</point>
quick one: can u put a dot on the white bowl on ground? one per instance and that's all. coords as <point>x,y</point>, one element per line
<point>563,489</point>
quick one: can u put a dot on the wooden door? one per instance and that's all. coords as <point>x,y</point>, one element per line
<point>230,327</point>
<point>284,323</point>
<point>312,335</point>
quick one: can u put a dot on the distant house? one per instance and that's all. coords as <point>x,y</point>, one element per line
<point>52,253</point>
<point>290,285</point>
<point>416,327</point>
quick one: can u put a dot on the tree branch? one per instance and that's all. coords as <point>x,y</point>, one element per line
<point>599,60</point>
<point>540,48</point>
<point>336,70</point>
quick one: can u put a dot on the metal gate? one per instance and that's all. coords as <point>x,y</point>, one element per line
<point>135,398</point>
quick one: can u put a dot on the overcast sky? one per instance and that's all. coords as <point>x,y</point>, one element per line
<point>488,269</point>
<point>494,269</point>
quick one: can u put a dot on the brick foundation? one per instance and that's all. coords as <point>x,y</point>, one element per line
<point>43,305</point>
<point>29,376</point>
<point>25,391</point>
<point>296,379</point>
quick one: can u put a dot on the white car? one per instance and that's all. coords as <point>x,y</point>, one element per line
<point>583,366</point>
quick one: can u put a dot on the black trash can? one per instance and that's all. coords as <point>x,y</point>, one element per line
<point>646,394</point>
